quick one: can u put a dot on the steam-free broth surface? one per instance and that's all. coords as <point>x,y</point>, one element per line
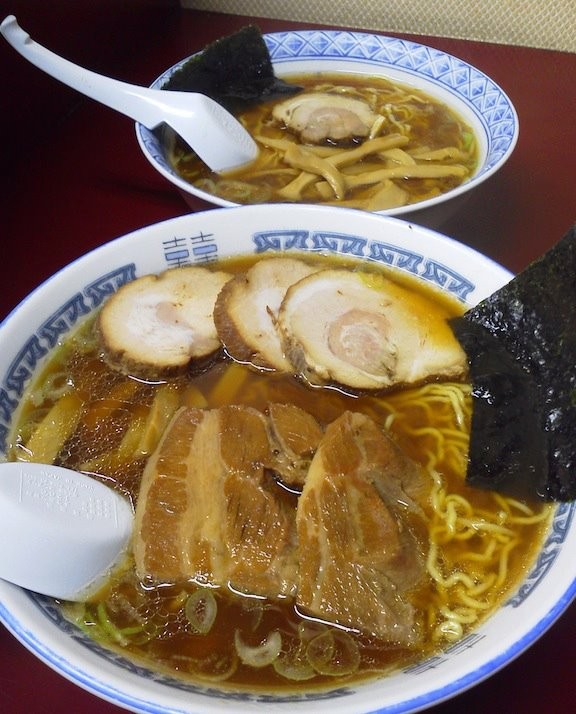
<point>477,543</point>
<point>415,148</point>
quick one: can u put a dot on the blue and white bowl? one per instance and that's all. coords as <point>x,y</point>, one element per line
<point>468,91</point>
<point>34,328</point>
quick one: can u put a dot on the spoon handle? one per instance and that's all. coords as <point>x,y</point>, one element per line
<point>139,103</point>
<point>216,136</point>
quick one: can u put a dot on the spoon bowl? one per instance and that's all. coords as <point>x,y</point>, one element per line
<point>213,133</point>
<point>62,532</point>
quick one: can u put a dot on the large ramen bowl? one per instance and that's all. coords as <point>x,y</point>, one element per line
<point>466,90</point>
<point>33,329</point>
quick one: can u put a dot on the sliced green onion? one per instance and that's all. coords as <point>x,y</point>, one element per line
<point>467,139</point>
<point>261,655</point>
<point>294,665</point>
<point>320,650</point>
<point>213,667</point>
<point>108,627</point>
<point>255,611</point>
<point>334,653</point>
<point>201,609</point>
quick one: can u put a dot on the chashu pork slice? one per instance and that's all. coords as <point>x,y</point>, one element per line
<point>205,512</point>
<point>358,553</point>
<point>363,331</point>
<point>246,309</point>
<point>319,117</point>
<point>157,325</point>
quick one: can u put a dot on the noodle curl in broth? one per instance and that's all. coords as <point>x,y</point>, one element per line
<point>83,415</point>
<point>415,148</point>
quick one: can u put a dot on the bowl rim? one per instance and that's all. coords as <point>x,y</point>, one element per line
<point>19,609</point>
<point>474,95</point>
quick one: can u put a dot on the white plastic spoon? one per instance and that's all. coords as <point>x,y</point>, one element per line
<point>61,532</point>
<point>215,135</point>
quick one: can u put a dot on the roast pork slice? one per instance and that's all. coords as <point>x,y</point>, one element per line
<point>157,325</point>
<point>323,116</point>
<point>359,555</point>
<point>205,512</point>
<point>365,332</point>
<point>246,310</point>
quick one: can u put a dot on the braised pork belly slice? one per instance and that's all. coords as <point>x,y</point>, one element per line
<point>358,555</point>
<point>157,325</point>
<point>294,435</point>
<point>246,309</point>
<point>362,331</point>
<point>205,511</point>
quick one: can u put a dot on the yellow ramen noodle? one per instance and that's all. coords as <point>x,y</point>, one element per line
<point>415,148</point>
<point>84,416</point>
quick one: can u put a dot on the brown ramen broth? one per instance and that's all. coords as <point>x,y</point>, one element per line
<point>97,420</point>
<point>421,149</point>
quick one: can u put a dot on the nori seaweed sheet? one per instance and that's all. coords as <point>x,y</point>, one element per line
<point>521,347</point>
<point>236,71</point>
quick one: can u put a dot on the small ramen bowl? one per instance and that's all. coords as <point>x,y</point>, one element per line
<point>30,333</point>
<point>468,92</point>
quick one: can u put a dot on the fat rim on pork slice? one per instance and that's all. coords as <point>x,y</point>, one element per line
<point>360,331</point>
<point>247,307</point>
<point>158,326</point>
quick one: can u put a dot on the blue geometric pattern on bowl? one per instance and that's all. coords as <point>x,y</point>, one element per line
<point>485,98</point>
<point>472,86</point>
<point>46,336</point>
<point>562,520</point>
<point>53,611</point>
<point>345,244</point>
<point>198,249</point>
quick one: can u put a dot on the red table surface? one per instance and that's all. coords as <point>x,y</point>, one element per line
<point>87,183</point>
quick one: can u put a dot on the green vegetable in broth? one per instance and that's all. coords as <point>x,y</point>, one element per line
<point>297,501</point>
